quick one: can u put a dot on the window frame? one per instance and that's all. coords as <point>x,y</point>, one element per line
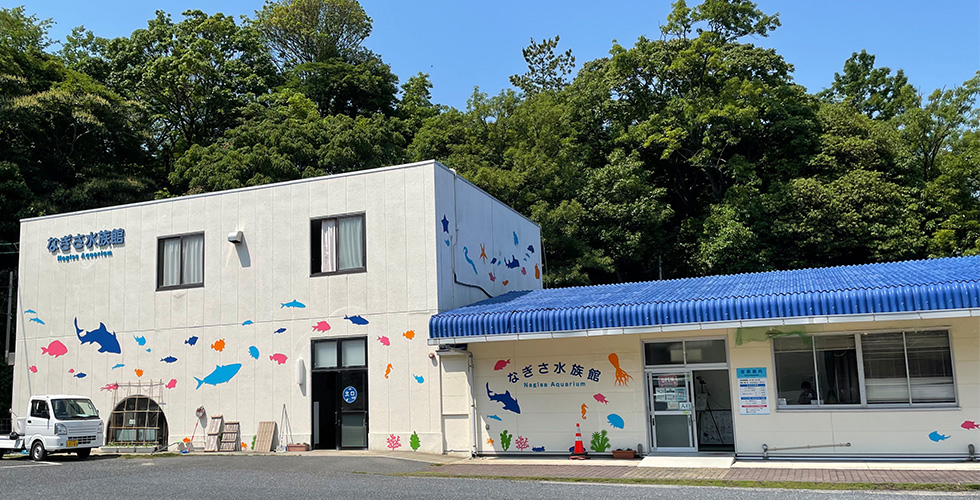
<point>316,233</point>
<point>864,405</point>
<point>339,366</point>
<point>180,272</point>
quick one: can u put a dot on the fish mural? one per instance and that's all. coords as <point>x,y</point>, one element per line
<point>292,303</point>
<point>418,378</point>
<point>140,340</point>
<point>622,378</point>
<point>505,282</point>
<point>537,272</point>
<point>513,264</point>
<point>279,330</point>
<point>148,349</point>
<point>30,311</point>
<point>36,320</point>
<point>500,364</point>
<point>530,248</point>
<point>168,359</point>
<point>107,341</point>
<point>138,372</point>
<point>118,365</point>
<point>322,326</point>
<point>600,398</point>
<point>388,370</point>
<point>509,402</point>
<point>937,437</point>
<point>357,320</point>
<point>191,341</point>
<point>524,271</point>
<point>447,242</point>
<point>969,425</point>
<point>445,224</point>
<point>80,375</point>
<point>110,387</point>
<point>32,368</point>
<point>171,384</point>
<point>584,408</point>
<point>278,358</point>
<point>466,255</point>
<point>384,340</point>
<point>492,277</point>
<point>248,321</point>
<point>253,352</point>
<point>516,241</point>
<point>494,417</point>
<point>409,334</point>
<point>616,421</point>
<point>483,253</point>
<point>219,345</point>
<point>538,449</point>
<point>55,348</point>
<point>220,375</point>
<point>493,261</point>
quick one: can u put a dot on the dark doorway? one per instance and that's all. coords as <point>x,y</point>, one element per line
<point>713,410</point>
<point>339,392</point>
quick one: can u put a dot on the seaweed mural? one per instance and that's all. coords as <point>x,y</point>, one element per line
<point>600,441</point>
<point>414,441</point>
<point>505,440</point>
<point>521,443</point>
<point>394,442</point>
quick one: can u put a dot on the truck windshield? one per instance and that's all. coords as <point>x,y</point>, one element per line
<point>74,409</point>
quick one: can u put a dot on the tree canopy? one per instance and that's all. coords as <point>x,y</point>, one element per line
<point>686,153</point>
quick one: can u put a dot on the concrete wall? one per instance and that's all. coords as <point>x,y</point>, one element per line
<point>397,295</point>
<point>548,413</point>
<point>485,247</point>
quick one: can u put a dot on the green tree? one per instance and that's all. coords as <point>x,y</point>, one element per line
<point>193,77</point>
<point>930,129</point>
<point>545,70</point>
<point>311,31</point>
<point>874,92</point>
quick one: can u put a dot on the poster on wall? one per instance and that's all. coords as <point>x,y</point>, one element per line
<point>753,391</point>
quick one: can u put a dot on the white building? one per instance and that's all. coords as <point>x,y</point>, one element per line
<point>401,308</point>
<point>314,294</point>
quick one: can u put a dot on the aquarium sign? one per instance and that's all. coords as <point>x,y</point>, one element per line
<point>91,245</point>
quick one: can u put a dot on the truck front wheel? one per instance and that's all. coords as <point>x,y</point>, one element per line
<point>38,452</point>
<point>84,453</point>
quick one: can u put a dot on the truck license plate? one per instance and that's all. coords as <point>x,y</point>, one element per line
<point>72,443</point>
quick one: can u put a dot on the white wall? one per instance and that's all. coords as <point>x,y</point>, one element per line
<point>398,293</point>
<point>548,413</point>
<point>478,240</point>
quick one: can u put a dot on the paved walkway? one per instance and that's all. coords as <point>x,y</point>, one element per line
<point>960,473</point>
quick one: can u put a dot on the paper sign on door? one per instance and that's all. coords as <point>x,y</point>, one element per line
<point>667,380</point>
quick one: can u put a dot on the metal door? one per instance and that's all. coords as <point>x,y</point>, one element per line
<point>670,411</point>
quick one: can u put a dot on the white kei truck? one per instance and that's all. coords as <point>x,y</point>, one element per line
<point>55,424</point>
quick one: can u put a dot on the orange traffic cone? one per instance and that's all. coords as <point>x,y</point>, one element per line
<point>579,453</point>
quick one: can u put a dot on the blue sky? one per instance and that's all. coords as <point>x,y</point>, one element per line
<point>461,44</point>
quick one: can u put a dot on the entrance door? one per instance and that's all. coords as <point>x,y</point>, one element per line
<point>671,420</point>
<point>340,394</point>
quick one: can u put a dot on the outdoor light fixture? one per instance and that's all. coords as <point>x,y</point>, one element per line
<point>236,237</point>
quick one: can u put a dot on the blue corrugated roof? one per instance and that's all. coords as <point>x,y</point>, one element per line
<point>892,287</point>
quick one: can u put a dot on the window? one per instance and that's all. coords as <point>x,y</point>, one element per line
<point>685,352</point>
<point>337,245</point>
<point>348,353</point>
<point>39,409</point>
<point>180,261</point>
<point>865,370</point>
<point>137,420</point>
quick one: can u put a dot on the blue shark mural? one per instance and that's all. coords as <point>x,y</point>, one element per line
<point>292,303</point>
<point>509,402</point>
<point>357,320</point>
<point>107,341</point>
<point>220,375</point>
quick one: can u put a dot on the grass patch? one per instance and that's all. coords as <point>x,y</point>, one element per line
<point>793,485</point>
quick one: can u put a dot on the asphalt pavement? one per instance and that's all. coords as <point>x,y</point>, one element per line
<point>320,475</point>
